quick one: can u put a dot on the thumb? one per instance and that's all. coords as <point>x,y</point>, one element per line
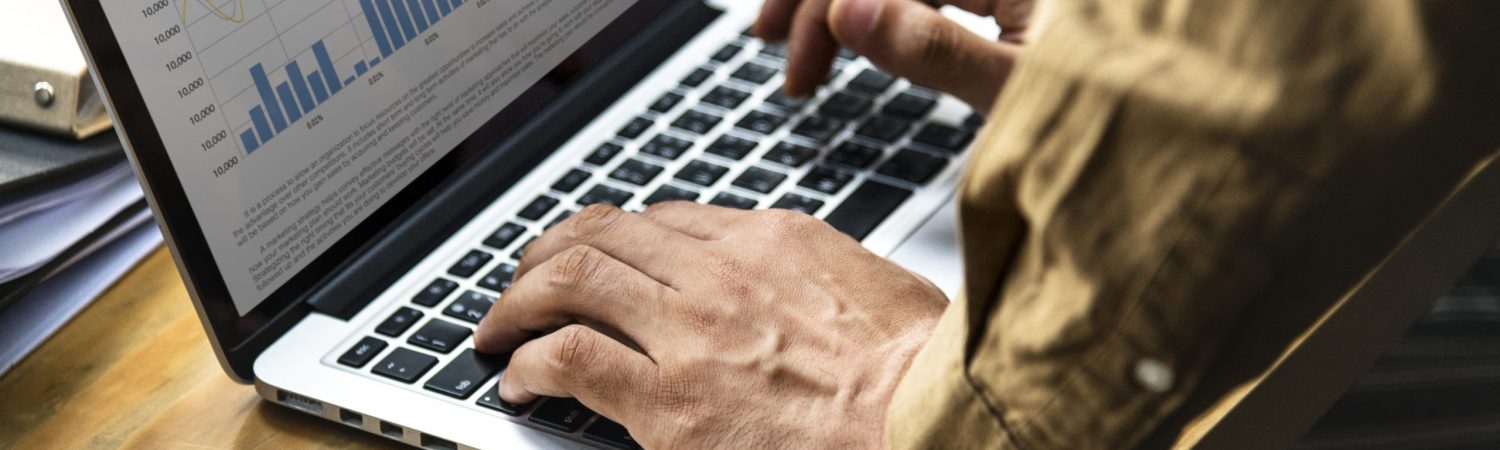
<point>915,41</point>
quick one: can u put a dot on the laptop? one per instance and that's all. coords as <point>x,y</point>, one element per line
<point>347,185</point>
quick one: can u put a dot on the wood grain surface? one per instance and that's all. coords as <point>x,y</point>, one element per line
<point>135,370</point>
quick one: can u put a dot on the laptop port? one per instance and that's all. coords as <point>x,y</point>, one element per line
<point>300,402</point>
<point>351,418</point>
<point>391,430</point>
<point>431,442</point>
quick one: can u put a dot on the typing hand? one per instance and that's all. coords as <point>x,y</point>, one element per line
<point>700,327</point>
<point>906,37</point>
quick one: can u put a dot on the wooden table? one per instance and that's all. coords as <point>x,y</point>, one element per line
<point>135,370</point>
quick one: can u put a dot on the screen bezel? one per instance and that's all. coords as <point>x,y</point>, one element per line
<point>227,329</point>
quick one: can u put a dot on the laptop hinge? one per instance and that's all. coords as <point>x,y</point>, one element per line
<point>417,232</point>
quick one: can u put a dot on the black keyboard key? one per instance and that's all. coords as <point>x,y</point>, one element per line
<point>399,322</point>
<point>847,55</point>
<point>702,173</point>
<point>603,154</point>
<point>521,250</point>
<point>666,103</point>
<point>909,106</point>
<point>537,208</point>
<point>470,307</point>
<point>943,137</point>
<point>499,279</point>
<point>973,123</point>
<point>435,293</point>
<point>866,208</point>
<point>827,180</point>
<point>732,147</point>
<point>570,182</point>
<point>636,172</point>
<point>780,99</point>
<point>884,129</point>
<point>775,51</point>
<point>439,335</point>
<point>491,399</point>
<point>760,180</point>
<point>405,365</point>
<point>563,414</point>
<point>819,128</point>
<point>724,97</point>
<point>697,78</point>
<point>604,194</point>
<point>761,122</point>
<point>727,53</point>
<point>729,200</point>
<point>470,263</point>
<point>502,237</point>
<point>607,432</point>
<point>669,193</point>
<point>635,128</point>
<point>914,166</point>
<point>362,352</point>
<point>754,73</point>
<point>465,374</point>
<point>799,203</point>
<point>854,154</point>
<point>791,155</point>
<point>844,105</point>
<point>667,147</point>
<point>560,218</point>
<point>696,122</point>
<point>872,81</point>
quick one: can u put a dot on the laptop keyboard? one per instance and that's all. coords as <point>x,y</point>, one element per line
<point>851,155</point>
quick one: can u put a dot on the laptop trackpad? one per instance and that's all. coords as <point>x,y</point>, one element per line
<point>933,250</point>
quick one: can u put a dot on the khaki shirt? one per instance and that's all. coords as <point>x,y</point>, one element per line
<point>1169,191</point>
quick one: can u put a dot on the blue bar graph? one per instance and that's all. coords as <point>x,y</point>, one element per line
<point>248,139</point>
<point>375,28</point>
<point>325,64</point>
<point>418,17</point>
<point>432,12</point>
<point>258,117</point>
<point>293,111</point>
<point>299,86</point>
<point>393,24</point>
<point>392,30</point>
<point>319,90</point>
<point>268,98</point>
<point>408,28</point>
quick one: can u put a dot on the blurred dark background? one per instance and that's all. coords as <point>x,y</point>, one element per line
<point>1437,389</point>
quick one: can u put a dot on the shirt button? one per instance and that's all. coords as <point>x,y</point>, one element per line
<point>1154,375</point>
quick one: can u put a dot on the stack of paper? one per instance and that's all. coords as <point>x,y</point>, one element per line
<point>72,221</point>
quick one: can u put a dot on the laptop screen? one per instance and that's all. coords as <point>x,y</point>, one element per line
<point>289,123</point>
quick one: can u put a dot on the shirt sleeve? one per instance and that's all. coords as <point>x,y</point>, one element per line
<point>1172,189</point>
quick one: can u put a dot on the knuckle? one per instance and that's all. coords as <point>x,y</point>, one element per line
<point>574,348</point>
<point>665,208</point>
<point>939,44</point>
<point>782,222</point>
<point>593,220</point>
<point>575,266</point>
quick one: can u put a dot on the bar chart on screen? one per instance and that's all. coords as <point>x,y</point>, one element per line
<point>288,122</point>
<point>270,64</point>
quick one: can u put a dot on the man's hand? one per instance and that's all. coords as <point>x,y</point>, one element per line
<point>906,37</point>
<point>699,327</point>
